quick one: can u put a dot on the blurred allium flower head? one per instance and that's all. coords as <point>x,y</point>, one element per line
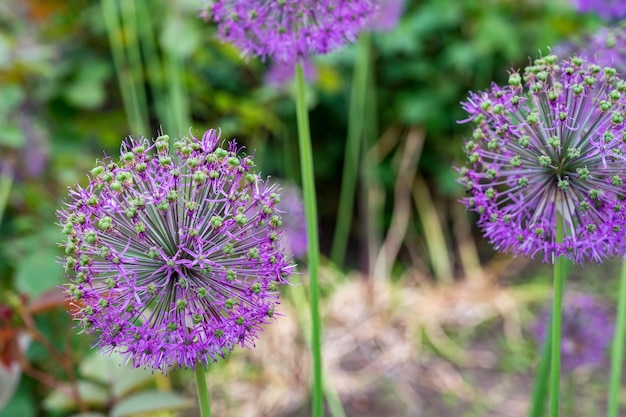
<point>282,73</point>
<point>587,330</point>
<point>294,223</point>
<point>387,16</point>
<point>605,47</point>
<point>174,257</point>
<point>607,9</point>
<point>552,141</point>
<point>288,30</point>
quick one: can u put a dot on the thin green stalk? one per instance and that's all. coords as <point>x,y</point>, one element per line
<point>617,350</point>
<point>154,65</point>
<point>356,119</point>
<point>127,87</point>
<point>203,391</point>
<point>538,404</point>
<point>540,388</point>
<point>178,96</point>
<point>6,182</point>
<point>310,212</point>
<point>555,361</point>
<point>129,20</point>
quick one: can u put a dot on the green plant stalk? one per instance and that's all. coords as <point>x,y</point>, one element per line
<point>372,195</point>
<point>617,350</point>
<point>356,119</point>
<point>555,360</point>
<point>203,391</point>
<point>130,22</point>
<point>178,96</point>
<point>127,87</point>
<point>310,213</point>
<point>538,403</point>
<point>154,65</point>
<point>6,183</point>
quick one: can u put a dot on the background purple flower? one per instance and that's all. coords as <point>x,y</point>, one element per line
<point>288,30</point>
<point>174,257</point>
<point>387,16</point>
<point>587,329</point>
<point>607,9</point>
<point>554,146</point>
<point>294,223</point>
<point>606,47</point>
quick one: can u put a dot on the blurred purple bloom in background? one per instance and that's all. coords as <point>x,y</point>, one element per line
<point>607,9</point>
<point>588,328</point>
<point>606,47</point>
<point>288,30</point>
<point>387,16</point>
<point>553,147</point>
<point>282,73</point>
<point>294,223</point>
<point>174,257</point>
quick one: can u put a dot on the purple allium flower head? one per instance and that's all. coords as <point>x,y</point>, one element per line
<point>174,257</point>
<point>288,30</point>
<point>605,47</point>
<point>281,73</point>
<point>587,330</point>
<point>607,9</point>
<point>387,16</point>
<point>552,141</point>
<point>294,222</point>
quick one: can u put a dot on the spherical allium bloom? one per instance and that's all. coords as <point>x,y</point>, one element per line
<point>282,73</point>
<point>556,146</point>
<point>587,330</point>
<point>607,9</point>
<point>174,257</point>
<point>387,16</point>
<point>294,222</point>
<point>288,30</point>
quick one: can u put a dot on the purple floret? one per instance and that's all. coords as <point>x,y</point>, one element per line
<point>288,30</point>
<point>174,257</point>
<point>587,330</point>
<point>550,142</point>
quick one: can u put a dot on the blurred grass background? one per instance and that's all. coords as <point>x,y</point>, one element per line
<point>419,298</point>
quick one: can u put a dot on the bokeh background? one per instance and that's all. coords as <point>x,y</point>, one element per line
<point>421,317</point>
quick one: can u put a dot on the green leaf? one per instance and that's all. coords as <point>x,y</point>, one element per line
<point>38,272</point>
<point>110,370</point>
<point>150,402</point>
<point>90,393</point>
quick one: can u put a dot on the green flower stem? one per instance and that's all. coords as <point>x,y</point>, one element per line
<point>555,361</point>
<point>128,89</point>
<point>6,182</point>
<point>310,212</point>
<point>356,119</point>
<point>203,391</point>
<point>617,350</point>
<point>537,406</point>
